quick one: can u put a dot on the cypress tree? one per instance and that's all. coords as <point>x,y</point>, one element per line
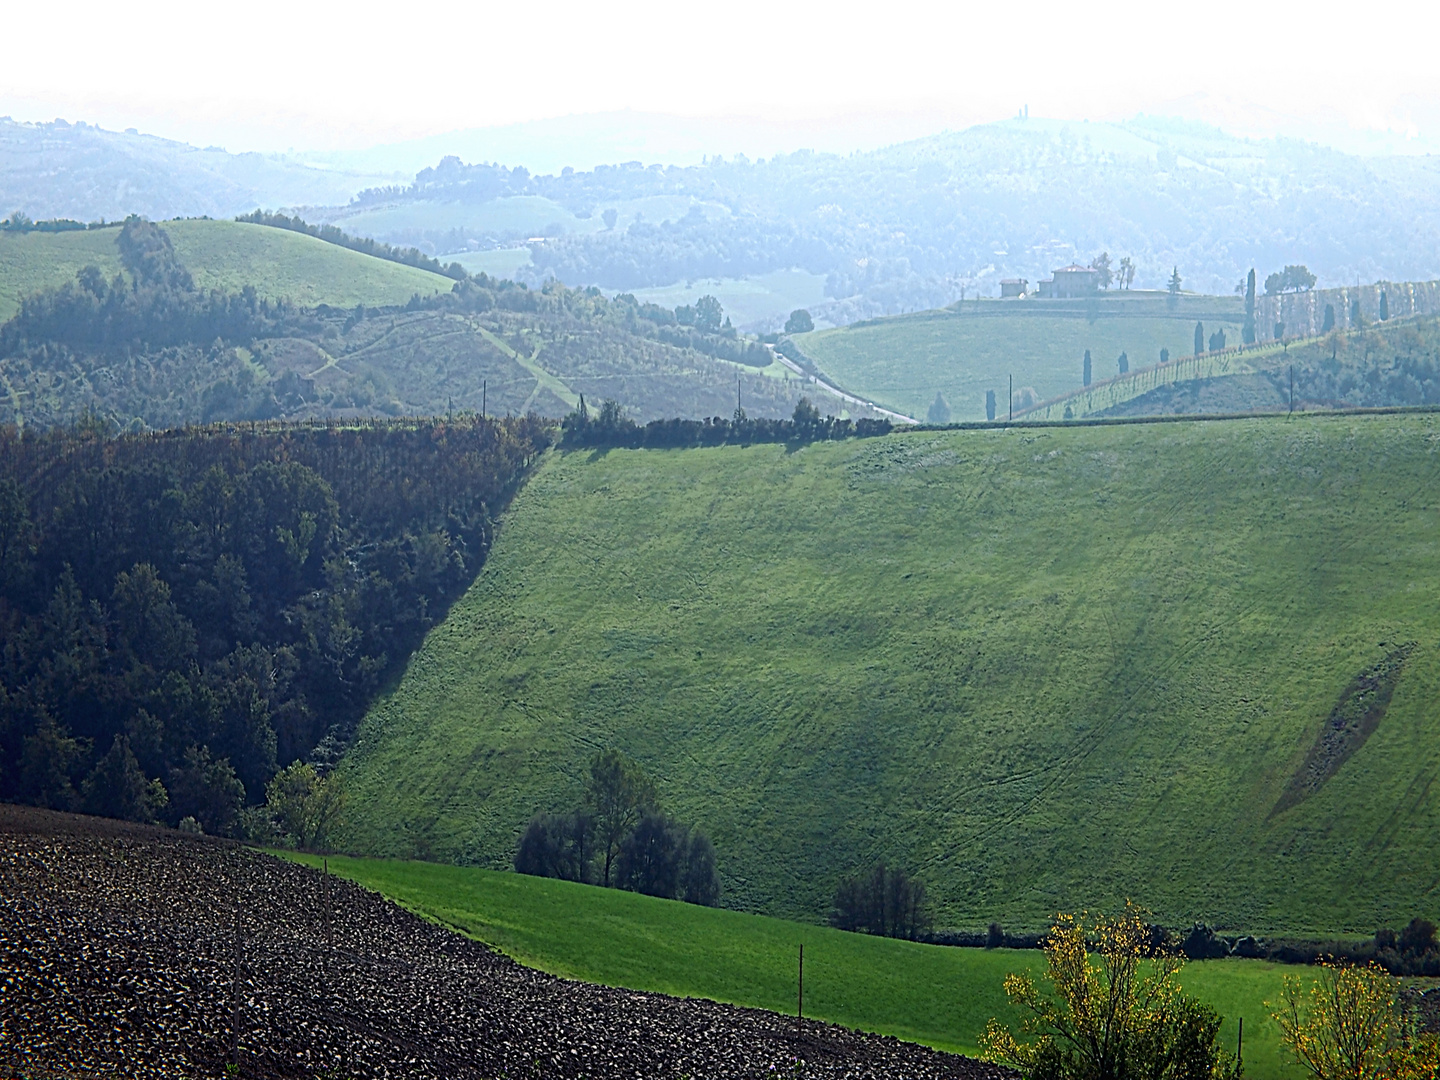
<point>1086,374</point>
<point>1199,338</point>
<point>1329,319</point>
<point>1124,363</point>
<point>989,404</point>
<point>1384,307</point>
<point>1248,333</point>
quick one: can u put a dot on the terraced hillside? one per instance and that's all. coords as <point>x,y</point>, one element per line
<point>966,349</point>
<point>220,255</point>
<point>1190,664</point>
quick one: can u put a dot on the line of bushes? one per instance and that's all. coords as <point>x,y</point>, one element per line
<point>610,428</point>
<point>620,837</point>
<point>366,246</point>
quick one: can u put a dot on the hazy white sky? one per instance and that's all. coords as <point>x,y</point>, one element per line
<point>270,75</point>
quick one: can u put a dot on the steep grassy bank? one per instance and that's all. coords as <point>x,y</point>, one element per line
<point>1042,670</point>
<point>939,996</point>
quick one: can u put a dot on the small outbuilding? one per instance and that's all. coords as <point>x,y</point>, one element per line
<point>1014,286</point>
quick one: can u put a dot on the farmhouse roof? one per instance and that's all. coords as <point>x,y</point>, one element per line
<point>1075,268</point>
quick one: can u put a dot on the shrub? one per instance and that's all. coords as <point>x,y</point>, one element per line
<point>1117,1016</point>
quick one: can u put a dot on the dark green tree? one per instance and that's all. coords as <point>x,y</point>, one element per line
<point>1279,331</point>
<point>1247,335</point>
<point>609,217</point>
<point>651,857</point>
<point>1101,263</point>
<point>701,881</point>
<point>1329,319</point>
<point>1199,338</point>
<point>1172,287</point>
<point>799,322</point>
<point>1085,369</point>
<point>1384,306</point>
<point>1164,356</point>
<point>1356,319</point>
<point>939,412</point>
<point>989,404</point>
<point>709,315</point>
<point>619,795</point>
<point>207,790</point>
<point>1123,363</point>
<point>116,788</point>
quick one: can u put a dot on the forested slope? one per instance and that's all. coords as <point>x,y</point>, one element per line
<point>184,613</point>
<point>1042,670</point>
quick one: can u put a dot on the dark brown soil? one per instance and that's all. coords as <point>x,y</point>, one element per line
<point>118,956</point>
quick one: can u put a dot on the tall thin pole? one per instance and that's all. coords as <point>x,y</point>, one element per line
<point>329,935</point>
<point>484,395</point>
<point>1012,398</point>
<point>800,998</point>
<point>1292,388</point>
<point>235,989</point>
<point>1240,1048</point>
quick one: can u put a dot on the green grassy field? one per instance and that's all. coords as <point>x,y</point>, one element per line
<point>220,254</point>
<point>1044,670</point>
<point>746,300</point>
<point>924,993</point>
<point>902,361</point>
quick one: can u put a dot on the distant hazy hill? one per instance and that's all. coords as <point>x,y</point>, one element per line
<point>1193,665</point>
<point>84,172</point>
<point>908,227</point>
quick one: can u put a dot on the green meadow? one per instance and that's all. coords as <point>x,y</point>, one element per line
<point>931,994</point>
<point>220,255</point>
<point>964,350</point>
<point>1042,670</point>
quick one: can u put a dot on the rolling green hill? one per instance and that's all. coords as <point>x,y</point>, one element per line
<point>932,994</point>
<point>1042,669</point>
<point>220,255</point>
<point>969,348</point>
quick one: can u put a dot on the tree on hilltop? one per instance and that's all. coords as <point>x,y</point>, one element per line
<point>799,322</point>
<point>1127,272</point>
<point>1101,263</point>
<point>1173,287</point>
<point>1248,333</point>
<point>708,314</point>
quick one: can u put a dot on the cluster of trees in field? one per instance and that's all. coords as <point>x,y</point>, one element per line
<point>610,427</point>
<point>185,613</point>
<point>913,225</point>
<point>620,837</point>
<point>886,902</point>
<point>408,256</point>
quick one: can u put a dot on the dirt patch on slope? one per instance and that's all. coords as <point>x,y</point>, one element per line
<point>122,949</point>
<point>1353,720</point>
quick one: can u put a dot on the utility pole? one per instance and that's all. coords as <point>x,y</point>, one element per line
<point>800,998</point>
<point>484,395</point>
<point>1240,1049</point>
<point>1292,388</point>
<point>235,990</point>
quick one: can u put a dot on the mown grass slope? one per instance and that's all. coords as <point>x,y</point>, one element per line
<point>1042,669</point>
<point>931,994</point>
<point>220,255</point>
<point>975,346</point>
